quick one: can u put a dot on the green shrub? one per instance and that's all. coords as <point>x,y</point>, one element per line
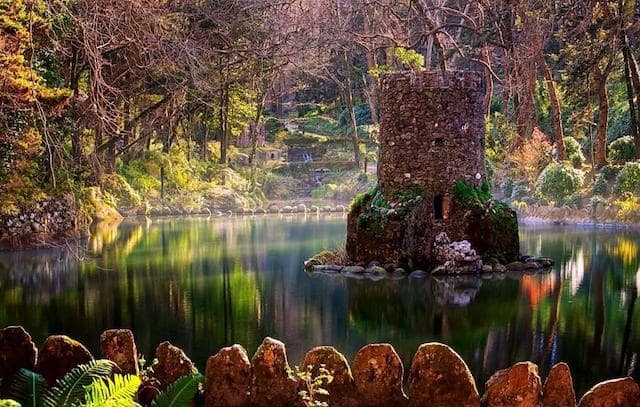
<point>610,172</point>
<point>574,151</point>
<point>628,180</point>
<point>363,116</point>
<point>273,125</point>
<point>520,191</point>
<point>320,125</point>
<point>125,196</point>
<point>628,208</point>
<point>622,150</point>
<point>575,200</point>
<point>558,181</point>
<point>576,161</point>
<point>507,187</point>
<point>500,134</point>
<point>601,186</point>
<point>471,195</point>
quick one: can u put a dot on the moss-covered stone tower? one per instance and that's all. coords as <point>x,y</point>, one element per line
<point>431,175</point>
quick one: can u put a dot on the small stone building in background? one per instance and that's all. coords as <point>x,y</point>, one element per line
<point>431,157</point>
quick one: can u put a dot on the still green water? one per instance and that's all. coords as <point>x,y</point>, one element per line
<point>204,283</point>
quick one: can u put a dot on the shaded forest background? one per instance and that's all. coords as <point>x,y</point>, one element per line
<point>148,104</point>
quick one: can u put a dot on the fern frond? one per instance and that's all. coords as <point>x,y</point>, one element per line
<point>27,388</point>
<point>180,393</point>
<point>69,390</point>
<point>117,392</point>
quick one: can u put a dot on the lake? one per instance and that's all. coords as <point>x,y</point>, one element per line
<point>208,282</point>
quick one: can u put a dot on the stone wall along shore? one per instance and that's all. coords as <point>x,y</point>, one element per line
<point>438,377</point>
<point>40,223</point>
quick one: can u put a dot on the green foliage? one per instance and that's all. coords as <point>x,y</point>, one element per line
<point>471,195</point>
<point>610,172</point>
<point>622,150</point>
<point>118,187</point>
<point>558,182</point>
<point>520,191</point>
<point>27,388</point>
<point>619,122</point>
<point>500,136</point>
<point>117,392</point>
<point>628,208</point>
<point>363,116</point>
<point>628,180</point>
<point>507,187</point>
<point>76,388</point>
<point>272,126</point>
<point>180,393</point>
<point>601,185</point>
<point>9,403</point>
<point>70,389</point>
<point>322,125</point>
<point>574,151</point>
<point>313,385</point>
<point>400,59</point>
<point>363,199</point>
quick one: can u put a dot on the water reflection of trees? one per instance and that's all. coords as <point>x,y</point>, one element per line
<point>208,282</point>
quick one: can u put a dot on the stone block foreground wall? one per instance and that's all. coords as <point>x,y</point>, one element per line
<point>438,377</point>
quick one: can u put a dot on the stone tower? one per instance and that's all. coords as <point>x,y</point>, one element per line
<point>431,138</point>
<point>432,133</point>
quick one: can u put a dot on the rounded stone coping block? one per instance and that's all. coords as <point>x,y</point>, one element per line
<point>119,346</point>
<point>558,388</point>
<point>227,378</point>
<point>612,393</point>
<point>17,351</point>
<point>58,355</point>
<point>517,386</point>
<point>440,378</point>
<point>342,389</point>
<point>173,363</point>
<point>378,372</point>
<point>272,382</point>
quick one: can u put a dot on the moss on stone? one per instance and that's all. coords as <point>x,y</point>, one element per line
<point>375,211</point>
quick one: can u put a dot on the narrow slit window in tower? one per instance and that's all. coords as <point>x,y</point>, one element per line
<point>438,208</point>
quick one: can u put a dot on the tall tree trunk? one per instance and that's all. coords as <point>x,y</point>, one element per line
<point>556,113</point>
<point>350,105</point>
<point>370,83</point>
<point>224,125</point>
<point>488,78</point>
<point>633,109</point>
<point>205,136</point>
<point>262,96</point>
<point>603,117</point>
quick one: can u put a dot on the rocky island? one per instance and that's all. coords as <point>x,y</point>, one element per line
<point>432,208</point>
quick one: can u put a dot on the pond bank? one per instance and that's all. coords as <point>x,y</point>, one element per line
<point>438,376</point>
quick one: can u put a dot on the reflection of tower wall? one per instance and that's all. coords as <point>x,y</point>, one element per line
<point>432,131</point>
